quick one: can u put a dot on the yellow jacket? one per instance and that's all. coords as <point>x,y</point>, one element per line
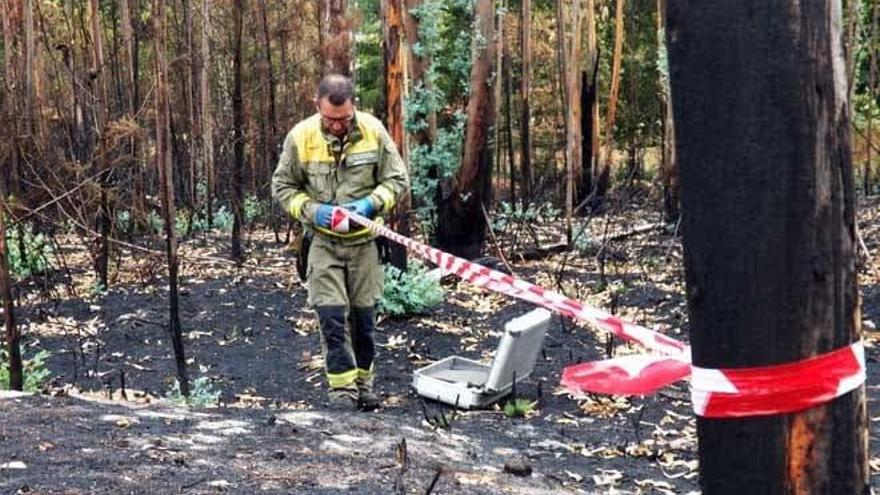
<point>317,167</point>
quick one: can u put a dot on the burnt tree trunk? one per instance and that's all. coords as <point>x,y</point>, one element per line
<point>336,38</point>
<point>104,217</point>
<point>525,113</point>
<point>461,226</point>
<point>768,216</point>
<point>13,338</point>
<point>166,187</point>
<point>238,135</point>
<point>207,113</point>
<point>392,28</point>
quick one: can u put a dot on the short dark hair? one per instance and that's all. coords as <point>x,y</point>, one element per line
<point>336,88</point>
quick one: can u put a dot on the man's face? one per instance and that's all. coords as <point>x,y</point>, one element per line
<point>336,119</point>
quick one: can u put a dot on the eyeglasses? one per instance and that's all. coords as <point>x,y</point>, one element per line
<point>328,121</point>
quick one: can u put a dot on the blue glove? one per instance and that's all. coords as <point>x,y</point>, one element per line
<point>363,207</point>
<point>323,215</point>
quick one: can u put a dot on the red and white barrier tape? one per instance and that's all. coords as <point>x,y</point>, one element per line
<point>778,389</point>
<point>715,393</point>
<point>505,284</point>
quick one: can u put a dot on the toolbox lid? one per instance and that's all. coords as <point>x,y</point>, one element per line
<point>518,349</point>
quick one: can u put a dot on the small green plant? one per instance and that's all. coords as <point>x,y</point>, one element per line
<point>409,292</point>
<point>34,369</point>
<point>533,213</point>
<point>201,393</point>
<point>123,221</point>
<point>28,252</point>
<point>97,289</point>
<point>223,219</point>
<point>584,241</point>
<point>155,223</point>
<point>519,408</point>
<point>256,210</point>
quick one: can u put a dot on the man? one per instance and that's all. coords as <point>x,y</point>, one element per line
<point>340,157</point>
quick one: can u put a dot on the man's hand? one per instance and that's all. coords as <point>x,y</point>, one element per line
<point>327,217</point>
<point>363,207</point>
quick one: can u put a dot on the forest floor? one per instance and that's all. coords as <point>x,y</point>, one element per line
<point>250,334</point>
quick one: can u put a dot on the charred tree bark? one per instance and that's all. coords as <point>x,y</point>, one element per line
<point>574,135</point>
<point>508,127</point>
<point>270,152</point>
<point>13,338</point>
<point>104,217</point>
<point>392,28</point>
<point>768,216</point>
<point>603,177</point>
<point>238,135</point>
<point>166,185</point>
<point>525,115</point>
<point>336,38</point>
<point>207,113</point>
<point>668,166</point>
<point>461,227</point>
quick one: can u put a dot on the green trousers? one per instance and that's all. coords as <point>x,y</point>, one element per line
<point>345,283</point>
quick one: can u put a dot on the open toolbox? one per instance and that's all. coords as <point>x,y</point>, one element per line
<point>467,384</point>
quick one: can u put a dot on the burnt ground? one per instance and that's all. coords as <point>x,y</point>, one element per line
<point>251,335</point>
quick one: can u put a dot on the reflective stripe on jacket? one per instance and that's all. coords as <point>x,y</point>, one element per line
<point>316,167</point>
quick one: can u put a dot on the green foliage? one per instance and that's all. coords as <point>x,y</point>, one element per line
<point>34,370</point>
<point>256,210</point>
<point>123,221</point>
<point>445,32</point>
<point>584,241</point>
<point>28,252</point>
<point>202,393</point>
<point>223,219</point>
<point>409,292</point>
<point>368,57</point>
<point>519,408</point>
<point>97,289</point>
<point>531,214</point>
<point>155,223</point>
<point>441,160</point>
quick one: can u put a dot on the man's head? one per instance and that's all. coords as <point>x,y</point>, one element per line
<point>335,104</point>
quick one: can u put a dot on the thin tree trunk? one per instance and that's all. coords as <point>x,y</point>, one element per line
<point>270,152</point>
<point>562,57</point>
<point>207,114</point>
<point>525,89</point>
<point>872,91</point>
<point>13,338</point>
<point>392,24</point>
<point>9,172</point>
<point>508,114</point>
<point>769,228</point>
<point>604,176</point>
<point>192,111</point>
<point>668,167</point>
<point>103,220</point>
<point>238,135</point>
<point>498,85</point>
<point>573,134</point>
<point>461,227</point>
<point>166,185</point>
<point>30,49</point>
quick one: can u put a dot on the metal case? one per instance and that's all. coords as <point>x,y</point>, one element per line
<point>468,384</point>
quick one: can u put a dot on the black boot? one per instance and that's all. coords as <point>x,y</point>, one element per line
<point>338,358</point>
<point>363,326</point>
